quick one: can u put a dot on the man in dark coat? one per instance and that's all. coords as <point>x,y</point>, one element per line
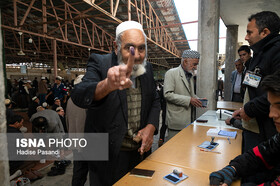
<point>9,112</point>
<point>244,53</point>
<point>13,126</point>
<point>264,39</point>
<point>32,109</point>
<point>120,94</point>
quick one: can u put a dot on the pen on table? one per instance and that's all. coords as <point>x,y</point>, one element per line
<point>204,150</point>
<point>228,140</point>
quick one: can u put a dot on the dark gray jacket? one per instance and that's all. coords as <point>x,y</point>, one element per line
<point>267,59</point>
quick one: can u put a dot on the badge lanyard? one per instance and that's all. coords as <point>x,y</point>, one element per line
<point>253,79</point>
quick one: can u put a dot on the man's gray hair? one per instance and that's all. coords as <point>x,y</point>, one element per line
<point>237,60</point>
<point>191,54</point>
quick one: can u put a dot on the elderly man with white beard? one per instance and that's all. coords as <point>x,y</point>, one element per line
<point>179,93</point>
<point>120,94</point>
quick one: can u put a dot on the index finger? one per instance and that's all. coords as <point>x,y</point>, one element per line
<point>130,61</point>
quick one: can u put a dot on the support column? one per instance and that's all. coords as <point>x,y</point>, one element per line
<point>54,58</point>
<point>208,37</point>
<point>44,14</point>
<point>4,166</point>
<point>231,56</point>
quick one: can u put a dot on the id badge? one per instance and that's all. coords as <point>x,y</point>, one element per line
<point>251,79</point>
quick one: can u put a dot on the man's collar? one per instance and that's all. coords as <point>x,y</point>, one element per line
<point>114,59</point>
<point>257,47</point>
<point>248,60</point>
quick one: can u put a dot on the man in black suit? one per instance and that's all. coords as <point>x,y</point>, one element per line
<point>120,94</point>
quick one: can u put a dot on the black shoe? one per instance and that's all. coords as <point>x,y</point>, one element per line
<point>66,162</point>
<point>56,171</point>
<point>59,165</point>
<point>56,163</point>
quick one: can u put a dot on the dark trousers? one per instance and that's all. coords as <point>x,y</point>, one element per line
<point>107,173</point>
<point>127,160</point>
<point>236,97</point>
<point>42,98</point>
<point>249,140</point>
<point>163,126</point>
<point>220,93</point>
<point>80,171</point>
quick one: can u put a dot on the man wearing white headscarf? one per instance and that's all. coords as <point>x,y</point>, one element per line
<point>120,94</point>
<point>75,122</point>
<point>179,93</point>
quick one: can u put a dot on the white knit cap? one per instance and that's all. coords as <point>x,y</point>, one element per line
<point>78,79</point>
<point>191,54</point>
<point>34,98</point>
<point>127,25</point>
<point>7,101</point>
<point>45,104</point>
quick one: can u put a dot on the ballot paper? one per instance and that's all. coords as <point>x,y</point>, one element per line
<point>221,133</point>
<point>208,145</point>
<point>228,134</point>
<point>213,132</point>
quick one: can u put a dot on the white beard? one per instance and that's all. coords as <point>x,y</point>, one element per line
<point>193,72</point>
<point>138,69</point>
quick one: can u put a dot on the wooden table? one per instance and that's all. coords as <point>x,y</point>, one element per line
<point>182,150</point>
<point>161,170</point>
<point>212,120</point>
<point>181,153</point>
<point>229,105</point>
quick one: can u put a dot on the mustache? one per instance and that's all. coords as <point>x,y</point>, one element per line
<point>138,69</point>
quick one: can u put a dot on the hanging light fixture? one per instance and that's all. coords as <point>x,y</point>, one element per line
<point>20,53</point>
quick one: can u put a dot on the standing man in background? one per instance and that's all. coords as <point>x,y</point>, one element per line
<point>236,82</point>
<point>42,90</point>
<point>179,93</point>
<point>244,53</point>
<point>75,122</point>
<point>58,90</point>
<point>35,85</point>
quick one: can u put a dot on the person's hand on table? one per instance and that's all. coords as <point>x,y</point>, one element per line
<point>227,121</point>
<point>241,114</point>
<point>146,135</point>
<point>223,177</point>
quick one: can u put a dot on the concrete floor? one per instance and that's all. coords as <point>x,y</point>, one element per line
<point>65,179</point>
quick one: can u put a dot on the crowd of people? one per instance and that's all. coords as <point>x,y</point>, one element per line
<point>118,95</point>
<point>45,105</point>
